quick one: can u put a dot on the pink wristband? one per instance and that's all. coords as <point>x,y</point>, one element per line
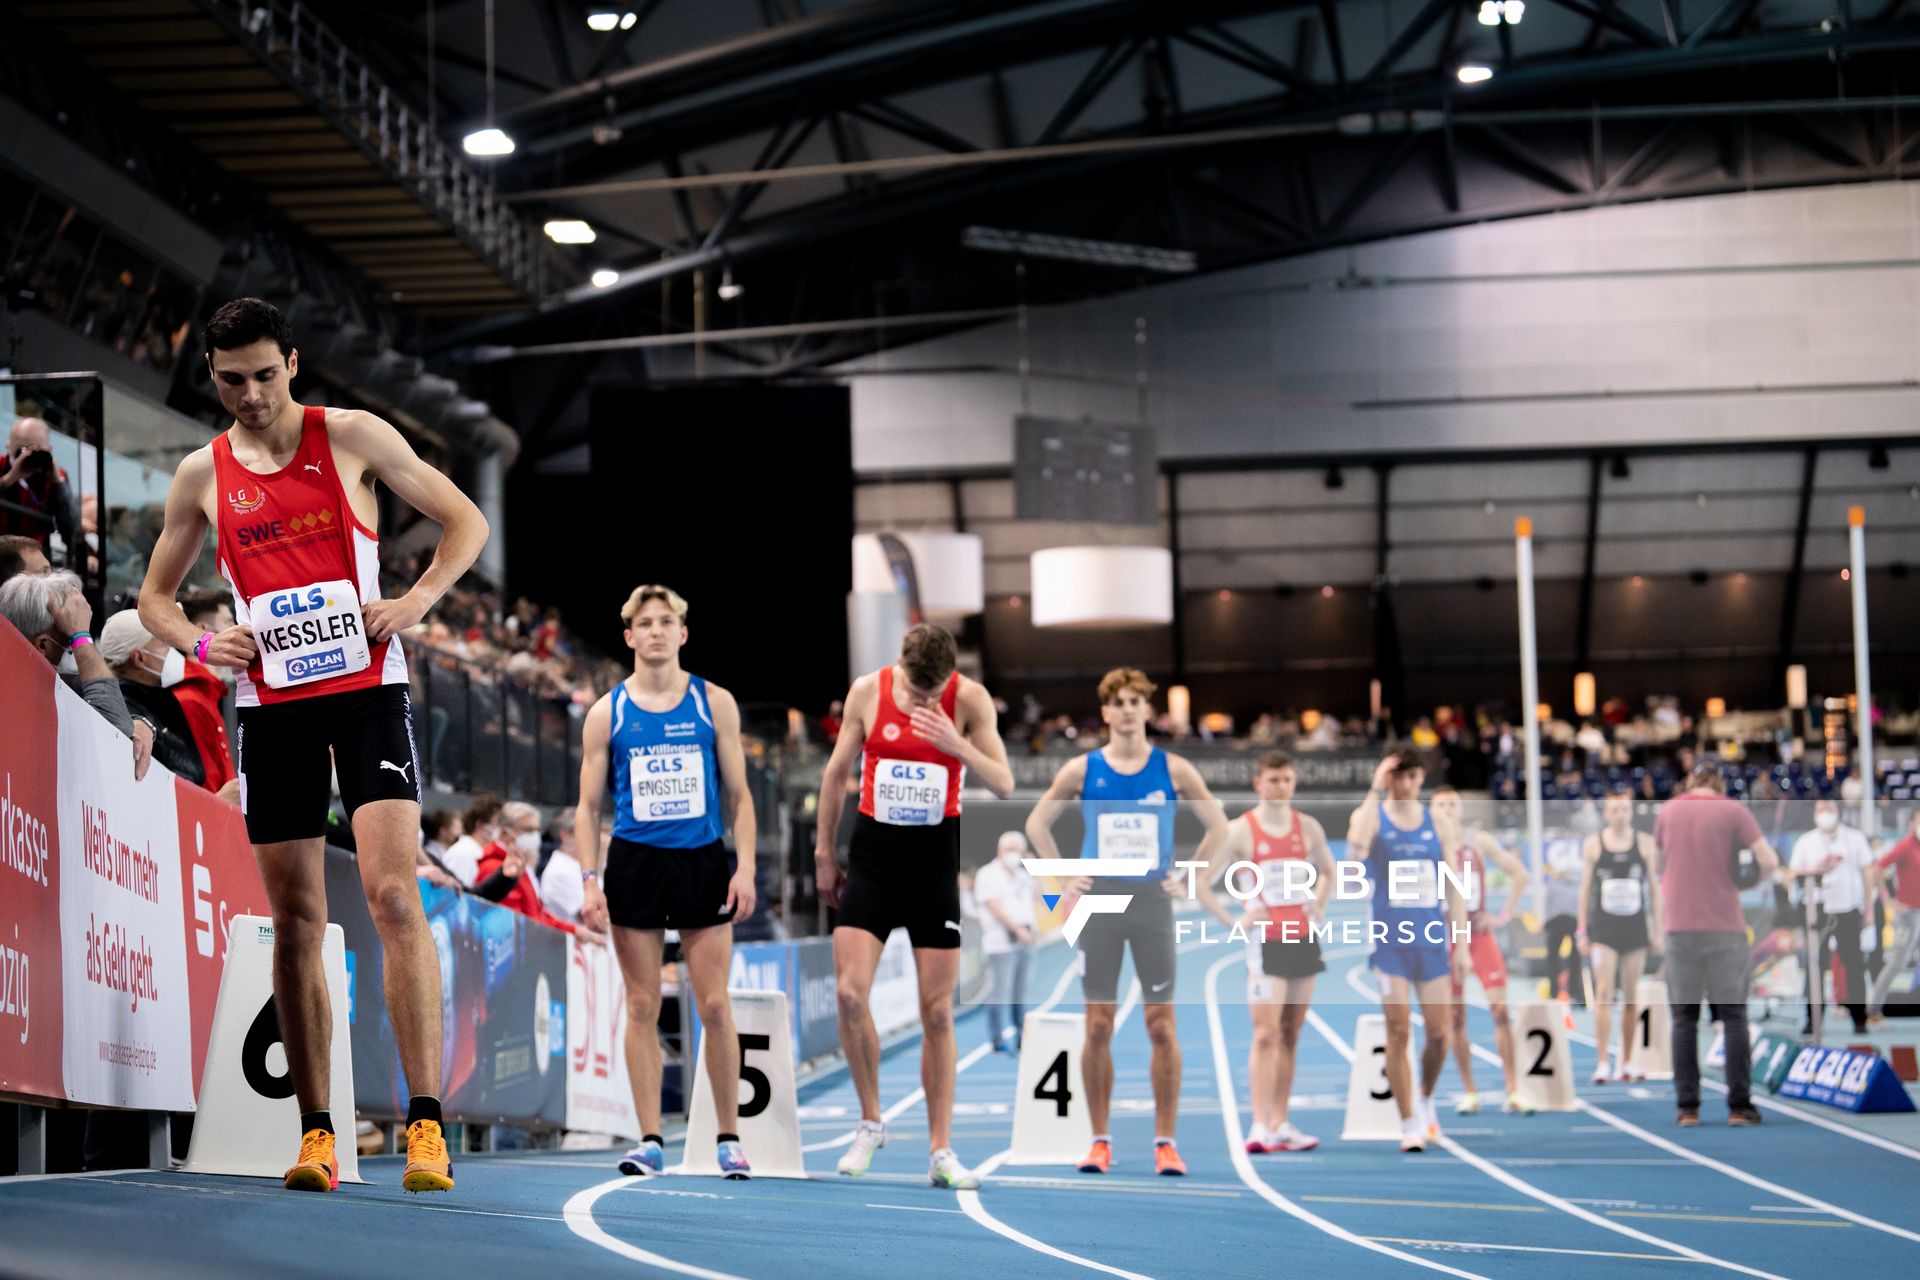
<point>200,646</point>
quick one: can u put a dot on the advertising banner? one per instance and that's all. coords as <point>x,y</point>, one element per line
<point>503,1006</point>
<point>599,1091</point>
<point>30,1000</point>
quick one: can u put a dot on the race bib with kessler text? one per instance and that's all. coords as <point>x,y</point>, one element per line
<point>909,793</point>
<point>668,782</point>
<point>309,633</point>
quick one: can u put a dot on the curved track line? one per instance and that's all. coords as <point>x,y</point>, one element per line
<point>579,1218</point>
<point>1243,1165</point>
<point>970,1205</point>
<point>1528,1189</point>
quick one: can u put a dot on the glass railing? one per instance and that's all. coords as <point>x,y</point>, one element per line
<point>477,730</point>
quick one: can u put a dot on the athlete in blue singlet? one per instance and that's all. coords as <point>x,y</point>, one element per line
<point>1424,925</point>
<point>1127,792</point>
<point>670,744</point>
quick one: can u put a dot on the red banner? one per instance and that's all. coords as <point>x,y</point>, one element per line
<point>219,880</point>
<point>30,984</point>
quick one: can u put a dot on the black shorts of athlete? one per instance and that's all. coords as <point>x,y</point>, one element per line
<point>648,887</point>
<point>903,877</point>
<point>281,755</point>
<point>1145,928</point>
<point>1298,959</point>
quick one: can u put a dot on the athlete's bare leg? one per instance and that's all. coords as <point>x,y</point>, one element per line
<point>1264,1055</point>
<point>1606,964</point>
<point>1298,994</point>
<point>294,872</point>
<point>1096,1064</point>
<point>1396,1003</point>
<point>640,952</point>
<point>1503,1037</point>
<point>387,834</point>
<point>708,960</point>
<point>856,958</point>
<point>1462,1043</point>
<point>1165,1038</point>
<point>1435,995</point>
<point>1632,963</point>
<point>938,969</point>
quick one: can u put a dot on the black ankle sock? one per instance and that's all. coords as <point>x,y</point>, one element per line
<point>421,1107</point>
<point>727,1137</point>
<point>311,1120</point>
<point>654,1138</point>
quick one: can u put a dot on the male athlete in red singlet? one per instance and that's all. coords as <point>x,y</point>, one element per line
<point>1478,854</point>
<point>922,725</point>
<point>1283,958</point>
<point>288,492</point>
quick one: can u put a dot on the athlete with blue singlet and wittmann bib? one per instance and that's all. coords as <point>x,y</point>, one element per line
<point>1128,792</point>
<point>1405,845</point>
<point>670,744</point>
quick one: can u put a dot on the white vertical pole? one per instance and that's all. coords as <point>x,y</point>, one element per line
<point>1862,676</point>
<point>1529,710</point>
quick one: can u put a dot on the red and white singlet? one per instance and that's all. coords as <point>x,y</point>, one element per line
<point>905,782</point>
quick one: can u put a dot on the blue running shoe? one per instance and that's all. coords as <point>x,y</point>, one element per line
<point>643,1161</point>
<point>733,1162</point>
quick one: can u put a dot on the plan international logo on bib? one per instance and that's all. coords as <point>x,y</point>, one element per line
<point>314,665</point>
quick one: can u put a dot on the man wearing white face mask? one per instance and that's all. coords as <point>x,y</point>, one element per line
<point>1832,861</point>
<point>1004,891</point>
<point>178,700</point>
<point>506,872</point>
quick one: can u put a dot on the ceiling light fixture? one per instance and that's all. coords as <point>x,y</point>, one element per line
<point>569,231</point>
<point>1474,73</point>
<point>627,21</point>
<point>603,21</point>
<point>728,290</point>
<point>605,278</point>
<point>488,141</point>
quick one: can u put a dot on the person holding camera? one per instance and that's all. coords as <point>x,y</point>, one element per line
<point>34,498</point>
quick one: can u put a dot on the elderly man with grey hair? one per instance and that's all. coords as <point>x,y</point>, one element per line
<point>52,612</point>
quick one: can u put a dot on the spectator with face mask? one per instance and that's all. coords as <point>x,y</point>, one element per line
<point>562,884</point>
<point>462,857</point>
<point>506,872</point>
<point>179,701</point>
<point>1832,863</point>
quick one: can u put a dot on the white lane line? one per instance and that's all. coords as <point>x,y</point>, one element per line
<point>1538,1193</point>
<point>1243,1164</point>
<point>916,1208</point>
<point>1529,1248</point>
<point>970,1205</point>
<point>914,1098</point>
<point>1752,1180</point>
<point>579,1215</point>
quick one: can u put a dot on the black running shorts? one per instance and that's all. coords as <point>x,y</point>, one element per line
<point>903,877</point>
<point>648,887</point>
<point>286,771</point>
<point>1145,928</point>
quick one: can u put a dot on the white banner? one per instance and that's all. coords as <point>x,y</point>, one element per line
<point>128,1021</point>
<point>599,1094</point>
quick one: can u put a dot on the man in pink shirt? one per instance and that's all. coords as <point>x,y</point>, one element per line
<point>1904,861</point>
<point>1698,836</point>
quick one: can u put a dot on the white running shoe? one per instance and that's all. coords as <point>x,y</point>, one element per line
<point>1259,1140</point>
<point>1601,1074</point>
<point>1518,1106</point>
<point>1632,1074</point>
<point>1468,1105</point>
<point>1430,1114</point>
<point>945,1170</point>
<point>1413,1133</point>
<point>1288,1138</point>
<point>868,1138</point>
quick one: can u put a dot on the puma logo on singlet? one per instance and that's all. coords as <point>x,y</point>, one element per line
<point>400,769</point>
<point>315,468</point>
